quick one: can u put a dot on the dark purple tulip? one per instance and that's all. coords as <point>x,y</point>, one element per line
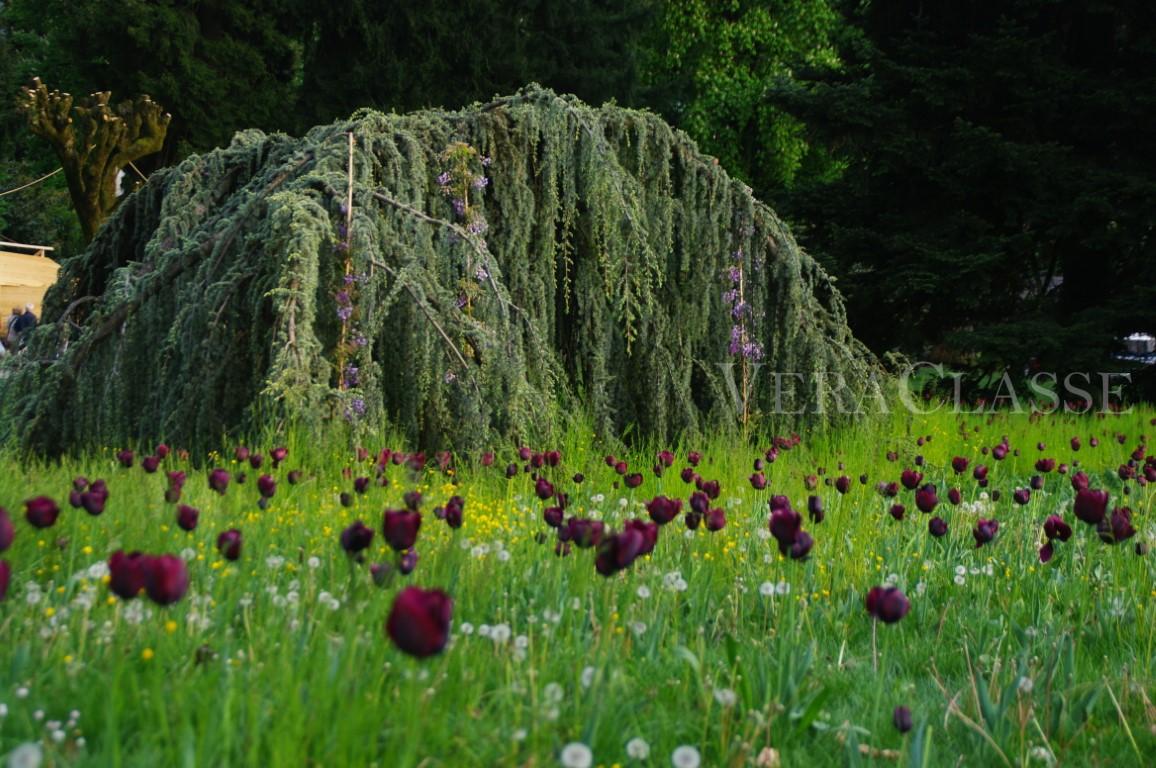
<point>1056,528</point>
<point>161,451</point>
<point>815,509</point>
<point>229,544</point>
<point>278,455</point>
<point>400,528</point>
<point>1046,551</point>
<point>150,463</point>
<point>688,475</point>
<point>543,489</point>
<point>1000,452</point>
<point>419,621</point>
<point>524,453</point>
<point>356,537</point>
<point>716,520</point>
<point>863,479</point>
<point>699,503</point>
<point>256,460</point>
<point>125,458</point>
<point>1075,443</point>
<point>711,488</point>
<point>621,467</point>
<point>843,484</point>
<point>579,478</point>
<point>937,527</point>
<point>172,495</point>
<point>241,453</point>
<point>79,483</point>
<point>694,457</point>
<point>345,498</point>
<point>1094,442</point>
<point>889,490</point>
<point>74,499</point>
<point>926,499</point>
<point>5,577</point>
<point>1022,496</point>
<point>619,551</point>
<point>219,480</point>
<point>511,471</point>
<point>407,562</point>
<point>583,532</point>
<point>888,604</point>
<point>980,472</point>
<point>266,486</point>
<point>412,500</point>
<point>901,717</point>
<point>801,547</point>
<point>187,517</point>
<point>1126,472</point>
<point>954,496</point>
<point>537,460</point>
<point>1091,506</point>
<point>758,481</point>
<point>127,574</point>
<point>176,478</point>
<point>959,464</point>
<point>455,509</point>
<point>93,502</point>
<point>911,479</point>
<point>919,458</point>
<point>666,458</point>
<point>758,465</point>
<point>1117,527</point>
<point>984,531</point>
<point>995,495</point>
<point>167,579</point>
<point>360,484</point>
<point>649,531</point>
<point>897,511</point>
<point>7,530</point>
<point>553,516</point>
<point>41,512</point>
<point>1037,482</point>
<point>662,509</point>
<point>692,519</point>
<point>633,480</point>
<point>785,525</point>
<point>1045,465</point>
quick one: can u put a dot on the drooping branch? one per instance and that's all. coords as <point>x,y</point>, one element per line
<point>94,141</point>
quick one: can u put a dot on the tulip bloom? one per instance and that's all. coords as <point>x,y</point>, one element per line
<point>901,717</point>
<point>1117,527</point>
<point>897,511</point>
<point>694,457</point>
<point>219,480</point>
<point>543,488</point>
<point>553,516</point>
<point>843,484</point>
<point>278,455</point>
<point>41,512</point>
<point>419,621</point>
<point>1022,496</point>
<point>926,499</point>
<point>980,472</point>
<point>455,508</point>
<point>360,484</point>
<point>266,486</point>
<point>911,479</point>
<point>356,537</point>
<point>7,530</point>
<point>166,579</point>
<point>633,480</point>
<point>959,464</point>
<point>229,544</point>
<point>400,527</point>
<point>662,509</point>
<point>125,458</point>
<point>984,531</point>
<point>937,527</point>
<point>815,509</point>
<point>1000,452</point>
<point>407,562</point>
<point>711,488</point>
<point>583,532</point>
<point>1045,465</point>
<point>187,517</point>
<point>758,481</point>
<point>888,604</point>
<point>716,520</point>
<point>954,496</point>
<point>688,475</point>
<point>127,574</point>
<point>619,551</point>
<point>1091,506</point>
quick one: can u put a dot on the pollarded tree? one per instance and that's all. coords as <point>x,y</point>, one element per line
<point>94,141</point>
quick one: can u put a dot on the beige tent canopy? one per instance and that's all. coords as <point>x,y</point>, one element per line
<point>25,274</point>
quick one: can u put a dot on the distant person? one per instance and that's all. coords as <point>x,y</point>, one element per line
<point>24,325</point>
<point>10,334</point>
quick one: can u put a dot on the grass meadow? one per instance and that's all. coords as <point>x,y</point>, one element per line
<point>715,649</point>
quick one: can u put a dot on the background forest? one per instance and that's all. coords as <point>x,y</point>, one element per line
<point>979,176</point>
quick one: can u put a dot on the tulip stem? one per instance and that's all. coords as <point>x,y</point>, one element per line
<point>874,647</point>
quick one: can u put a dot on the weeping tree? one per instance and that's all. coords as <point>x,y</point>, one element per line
<point>464,276</point>
<point>94,140</point>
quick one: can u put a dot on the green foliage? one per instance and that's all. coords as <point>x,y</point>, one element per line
<point>713,64</point>
<point>604,265</point>
<point>989,153</point>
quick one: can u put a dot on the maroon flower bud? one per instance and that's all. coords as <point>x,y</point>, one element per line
<point>1045,465</point>
<point>954,496</point>
<point>1037,482</point>
<point>419,621</point>
<point>688,475</point>
<point>959,464</point>
<point>455,510</point>
<point>412,500</point>
<point>898,511</point>
<point>127,574</point>
<point>579,478</point>
<point>93,502</point>
<point>694,457</point>
<point>7,530</point>
<point>984,531</point>
<point>815,509</point>
<point>662,509</point>
<point>229,544</point>
<point>150,464</point>
<point>41,512</point>
<point>843,484</point>
<point>219,480</point>
<point>888,604</point>
<point>1022,496</point>
<point>649,531</point>
<point>167,579</point>
<point>1117,527</point>
<point>801,547</point>
<point>79,483</point>
<point>407,562</point>
<point>543,489</point>
<point>618,552</point>
<point>553,516</point>
<point>266,486</point>
<point>125,458</point>
<point>980,472</point>
<point>716,519</point>
<point>666,458</point>
<point>241,453</point>
<point>901,717</point>
<point>937,527</point>
<point>74,499</point>
<point>633,480</point>
<point>1091,506</point>
<point>785,525</point>
<point>161,451</point>
<point>356,537</point>
<point>537,460</point>
<point>711,488</point>
<point>892,456</point>
<point>187,517</point>
<point>360,484</point>
<point>926,499</point>
<point>511,471</point>
<point>758,481</point>
<point>584,533</point>
<point>278,455</point>
<point>400,527</point>
<point>911,479</point>
<point>1056,528</point>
